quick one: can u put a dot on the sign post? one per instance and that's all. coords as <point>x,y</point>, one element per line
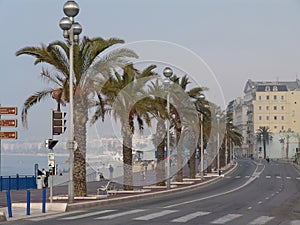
<point>7,123</point>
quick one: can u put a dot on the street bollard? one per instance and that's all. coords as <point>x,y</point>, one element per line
<point>28,203</point>
<point>43,200</point>
<point>8,199</point>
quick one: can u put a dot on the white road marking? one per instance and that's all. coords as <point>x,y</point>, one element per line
<point>155,215</point>
<point>120,214</point>
<point>53,216</point>
<point>259,202</point>
<point>262,220</point>
<point>247,176</point>
<point>278,177</point>
<point>267,198</point>
<point>288,178</point>
<point>249,208</point>
<point>226,218</point>
<point>238,177</point>
<point>298,178</point>
<point>268,177</point>
<point>250,180</point>
<point>86,215</point>
<point>191,216</point>
<point>295,222</point>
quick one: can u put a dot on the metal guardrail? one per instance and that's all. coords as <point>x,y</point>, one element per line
<point>18,182</point>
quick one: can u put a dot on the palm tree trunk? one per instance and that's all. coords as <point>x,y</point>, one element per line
<point>179,156</point>
<point>127,160</point>
<point>265,149</point>
<point>80,120</point>
<point>192,158</point>
<point>160,143</point>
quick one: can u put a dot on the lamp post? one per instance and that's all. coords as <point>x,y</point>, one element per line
<point>168,72</point>
<point>71,31</point>
<point>201,145</point>
<point>218,144</point>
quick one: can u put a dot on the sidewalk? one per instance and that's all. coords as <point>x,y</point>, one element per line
<point>60,203</point>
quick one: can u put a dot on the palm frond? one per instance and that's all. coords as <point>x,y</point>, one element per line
<point>32,100</point>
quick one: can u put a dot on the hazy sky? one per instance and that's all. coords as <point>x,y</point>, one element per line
<point>237,39</point>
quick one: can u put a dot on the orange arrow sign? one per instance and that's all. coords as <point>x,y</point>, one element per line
<point>8,110</point>
<point>8,123</point>
<point>8,135</point>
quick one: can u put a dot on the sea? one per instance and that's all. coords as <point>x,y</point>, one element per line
<point>25,164</point>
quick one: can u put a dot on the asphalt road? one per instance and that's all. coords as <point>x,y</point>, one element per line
<point>266,193</point>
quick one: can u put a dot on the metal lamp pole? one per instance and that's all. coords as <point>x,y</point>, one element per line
<point>201,144</point>
<point>218,144</point>
<point>168,72</point>
<point>71,33</point>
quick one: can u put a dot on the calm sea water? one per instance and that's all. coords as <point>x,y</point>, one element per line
<point>24,164</point>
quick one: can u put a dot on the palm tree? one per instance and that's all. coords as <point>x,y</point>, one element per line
<point>232,135</point>
<point>264,135</point>
<point>85,56</point>
<point>120,93</point>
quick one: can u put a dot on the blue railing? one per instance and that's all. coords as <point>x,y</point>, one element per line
<point>17,182</point>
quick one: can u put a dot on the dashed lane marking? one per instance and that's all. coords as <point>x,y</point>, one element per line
<point>262,220</point>
<point>226,218</point>
<point>189,217</point>
<point>155,215</point>
<point>86,215</point>
<point>120,214</point>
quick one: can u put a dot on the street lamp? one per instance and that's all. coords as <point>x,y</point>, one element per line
<point>218,144</point>
<point>71,31</point>
<point>168,72</point>
<point>202,97</point>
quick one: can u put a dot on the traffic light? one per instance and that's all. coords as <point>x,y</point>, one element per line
<point>58,122</point>
<point>50,143</point>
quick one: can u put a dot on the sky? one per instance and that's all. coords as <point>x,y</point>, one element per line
<point>235,40</point>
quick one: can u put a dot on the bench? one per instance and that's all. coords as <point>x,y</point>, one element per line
<point>103,189</point>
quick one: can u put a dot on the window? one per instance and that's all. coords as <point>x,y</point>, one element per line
<point>275,107</point>
<point>275,127</point>
<point>267,117</point>
<point>268,97</point>
<point>275,117</point>
<point>267,88</point>
<point>267,107</point>
<point>282,117</point>
<point>282,127</point>
<point>275,88</point>
<point>282,97</point>
<point>259,107</point>
<point>259,97</point>
<point>282,107</point>
<point>260,118</point>
<point>275,97</point>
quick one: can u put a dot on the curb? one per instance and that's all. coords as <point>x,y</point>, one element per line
<point>83,205</point>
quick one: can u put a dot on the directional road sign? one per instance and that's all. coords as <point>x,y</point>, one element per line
<point>8,135</point>
<point>8,110</point>
<point>8,123</point>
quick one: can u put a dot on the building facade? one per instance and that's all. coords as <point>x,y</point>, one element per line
<point>275,105</point>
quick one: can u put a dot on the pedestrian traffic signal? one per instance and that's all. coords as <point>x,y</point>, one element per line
<point>50,143</point>
<point>58,122</point>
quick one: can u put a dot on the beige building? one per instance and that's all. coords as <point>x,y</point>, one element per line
<point>275,105</point>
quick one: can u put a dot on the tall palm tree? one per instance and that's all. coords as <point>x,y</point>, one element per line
<point>231,136</point>
<point>86,54</point>
<point>264,135</point>
<point>119,92</point>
